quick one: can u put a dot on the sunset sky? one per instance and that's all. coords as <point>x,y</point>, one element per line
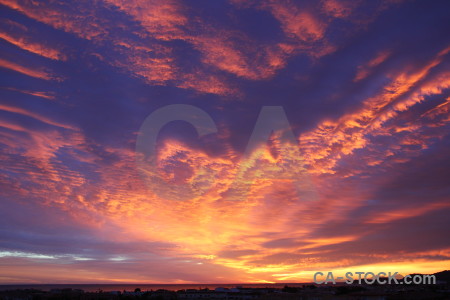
<point>365,88</point>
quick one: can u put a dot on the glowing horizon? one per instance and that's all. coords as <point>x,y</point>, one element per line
<point>362,184</point>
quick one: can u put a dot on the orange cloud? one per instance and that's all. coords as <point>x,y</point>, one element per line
<point>36,116</point>
<point>332,140</point>
<point>391,216</point>
<point>57,17</point>
<point>46,95</point>
<point>338,8</point>
<point>363,71</point>
<point>259,219</point>
<point>40,74</point>
<point>33,47</point>
<point>162,20</point>
<point>296,22</point>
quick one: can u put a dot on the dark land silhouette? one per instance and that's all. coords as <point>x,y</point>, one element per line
<point>356,291</point>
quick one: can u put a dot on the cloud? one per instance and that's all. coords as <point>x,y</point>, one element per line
<point>45,95</point>
<point>296,22</point>
<point>338,8</point>
<point>366,92</point>
<point>24,112</point>
<point>36,73</point>
<point>33,47</point>
<point>353,131</point>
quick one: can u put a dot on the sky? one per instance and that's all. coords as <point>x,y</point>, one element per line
<point>222,141</point>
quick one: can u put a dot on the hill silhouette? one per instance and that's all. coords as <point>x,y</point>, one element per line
<point>443,276</point>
